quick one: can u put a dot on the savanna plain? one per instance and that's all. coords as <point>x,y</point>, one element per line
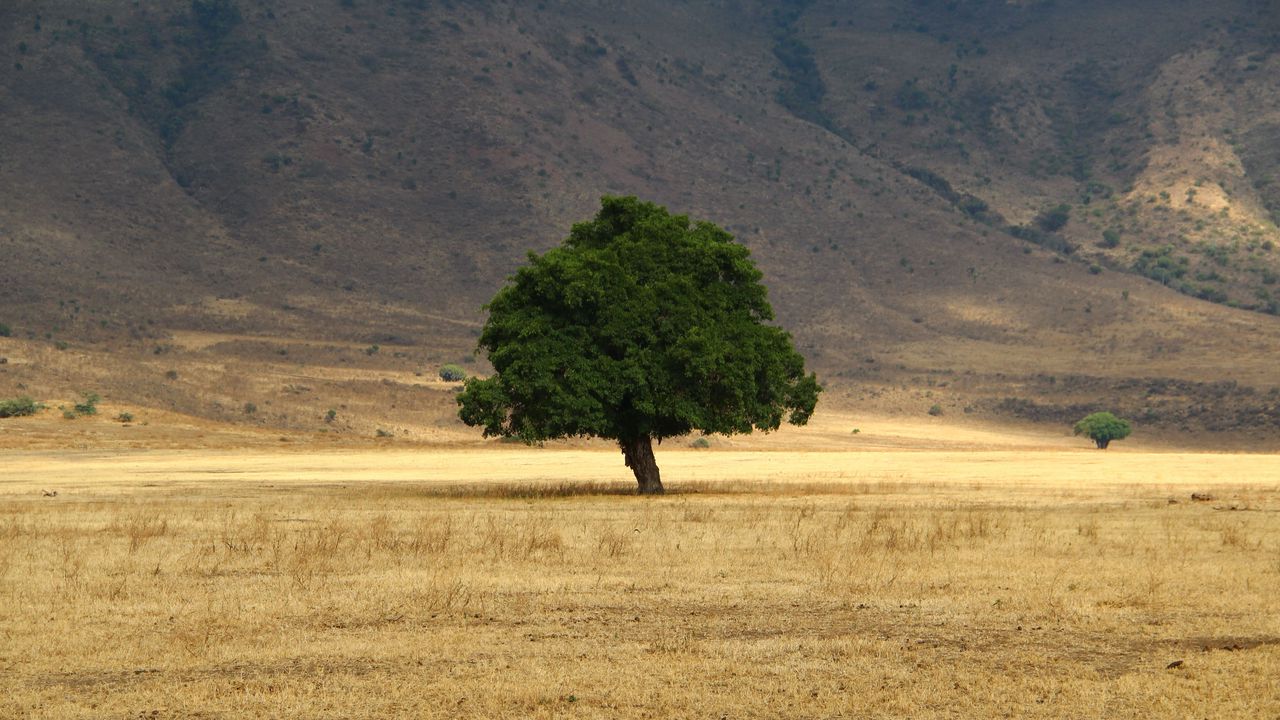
<point>920,572</point>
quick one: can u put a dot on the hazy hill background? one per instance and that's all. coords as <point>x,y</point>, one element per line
<point>1005,209</point>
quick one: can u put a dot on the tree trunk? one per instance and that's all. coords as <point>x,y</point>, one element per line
<point>1102,443</point>
<point>639,455</point>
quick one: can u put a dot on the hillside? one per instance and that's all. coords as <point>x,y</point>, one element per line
<point>1010,210</point>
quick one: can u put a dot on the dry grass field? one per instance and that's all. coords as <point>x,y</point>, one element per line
<point>972,581</point>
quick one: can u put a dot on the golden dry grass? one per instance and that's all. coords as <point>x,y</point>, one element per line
<point>521,583</point>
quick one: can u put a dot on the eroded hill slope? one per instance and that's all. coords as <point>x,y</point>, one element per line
<point>969,190</point>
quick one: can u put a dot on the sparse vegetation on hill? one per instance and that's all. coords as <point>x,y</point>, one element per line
<point>803,87</point>
<point>88,405</point>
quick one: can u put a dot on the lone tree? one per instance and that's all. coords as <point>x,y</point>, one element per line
<point>640,326</point>
<point>1102,428</point>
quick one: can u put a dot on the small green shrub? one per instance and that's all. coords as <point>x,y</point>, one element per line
<point>910,96</point>
<point>1161,265</point>
<point>330,415</point>
<point>700,443</point>
<point>125,417</point>
<point>88,404</point>
<point>1040,237</point>
<point>250,408</point>
<point>18,407</point>
<point>5,330</point>
<point>452,373</point>
<point>372,350</point>
<point>935,410</point>
<point>384,433</point>
<point>1054,219</point>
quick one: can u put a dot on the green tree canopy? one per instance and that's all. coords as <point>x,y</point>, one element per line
<point>640,326</point>
<point>1102,428</point>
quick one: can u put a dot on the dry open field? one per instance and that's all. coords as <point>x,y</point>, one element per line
<point>956,578</point>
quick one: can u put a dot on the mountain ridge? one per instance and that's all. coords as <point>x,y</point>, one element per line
<point>933,188</point>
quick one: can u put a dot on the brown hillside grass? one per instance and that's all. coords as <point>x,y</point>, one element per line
<point>373,175</point>
<point>524,583</point>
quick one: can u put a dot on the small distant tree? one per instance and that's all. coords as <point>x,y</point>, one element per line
<point>641,326</point>
<point>453,373</point>
<point>1102,428</point>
